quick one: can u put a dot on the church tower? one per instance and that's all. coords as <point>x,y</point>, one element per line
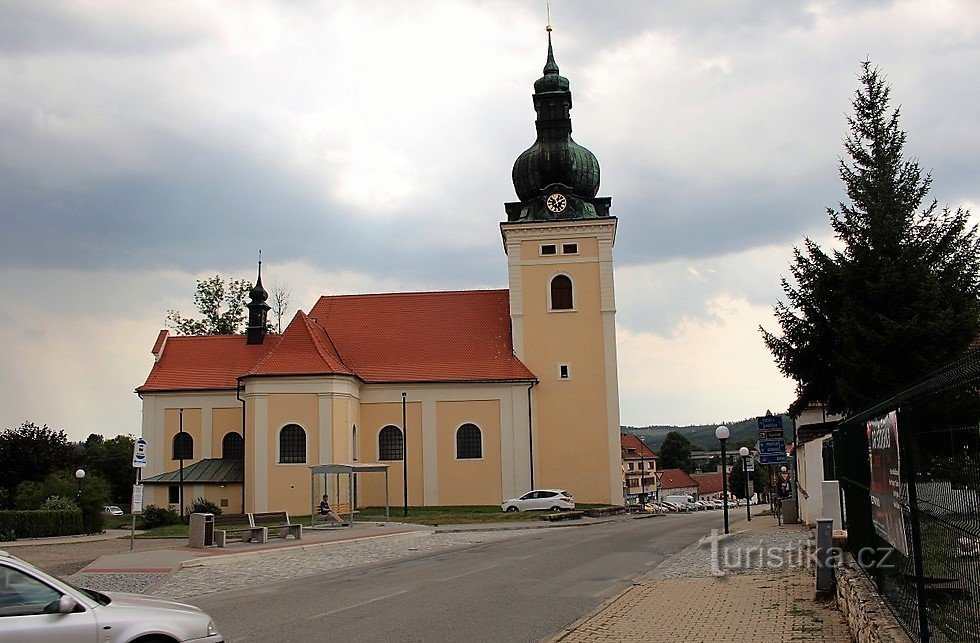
<point>559,238</point>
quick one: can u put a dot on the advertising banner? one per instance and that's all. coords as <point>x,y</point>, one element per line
<point>886,483</point>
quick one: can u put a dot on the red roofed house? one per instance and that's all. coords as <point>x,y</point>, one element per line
<point>503,390</point>
<point>675,482</point>
<point>639,464</point>
<point>710,485</point>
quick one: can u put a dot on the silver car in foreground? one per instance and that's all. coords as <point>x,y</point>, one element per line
<point>37,607</point>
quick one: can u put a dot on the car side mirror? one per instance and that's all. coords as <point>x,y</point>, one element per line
<point>66,604</point>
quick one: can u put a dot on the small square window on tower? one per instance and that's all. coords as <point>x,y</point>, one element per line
<point>563,371</point>
<point>549,249</point>
<point>569,248</point>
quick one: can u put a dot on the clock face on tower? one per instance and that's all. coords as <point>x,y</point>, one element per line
<point>556,203</point>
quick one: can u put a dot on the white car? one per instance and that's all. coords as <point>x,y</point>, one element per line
<point>543,499</point>
<point>112,510</point>
<point>37,607</point>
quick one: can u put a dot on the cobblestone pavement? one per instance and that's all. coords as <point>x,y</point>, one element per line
<point>751,607</point>
<point>752,586</point>
<point>223,573</point>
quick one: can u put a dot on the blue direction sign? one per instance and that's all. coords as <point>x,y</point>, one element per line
<point>772,443</point>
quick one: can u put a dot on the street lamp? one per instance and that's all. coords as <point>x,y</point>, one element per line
<point>722,434</point>
<point>744,452</point>
<point>79,474</point>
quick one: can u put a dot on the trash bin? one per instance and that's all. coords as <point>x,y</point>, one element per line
<point>201,531</point>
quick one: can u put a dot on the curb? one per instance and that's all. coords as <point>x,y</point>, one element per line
<point>550,525</point>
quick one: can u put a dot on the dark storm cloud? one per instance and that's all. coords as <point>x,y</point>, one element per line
<point>51,27</point>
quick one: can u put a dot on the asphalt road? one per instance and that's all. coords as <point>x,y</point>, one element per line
<point>520,589</point>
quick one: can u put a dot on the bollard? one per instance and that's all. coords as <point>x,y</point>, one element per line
<point>825,544</point>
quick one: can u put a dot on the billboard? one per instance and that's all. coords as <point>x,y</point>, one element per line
<point>886,482</point>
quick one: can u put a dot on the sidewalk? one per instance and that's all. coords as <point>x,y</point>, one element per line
<point>688,600</point>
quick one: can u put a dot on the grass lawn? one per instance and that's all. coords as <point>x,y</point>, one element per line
<point>435,516</point>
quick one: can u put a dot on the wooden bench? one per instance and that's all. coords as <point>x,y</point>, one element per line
<point>278,522</point>
<point>238,524</point>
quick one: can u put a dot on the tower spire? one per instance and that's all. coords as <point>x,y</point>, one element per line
<point>258,310</point>
<point>555,167</point>
<point>550,66</point>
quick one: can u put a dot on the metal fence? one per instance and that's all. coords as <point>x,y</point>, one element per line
<point>934,591</point>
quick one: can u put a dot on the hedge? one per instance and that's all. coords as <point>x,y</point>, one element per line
<point>40,523</point>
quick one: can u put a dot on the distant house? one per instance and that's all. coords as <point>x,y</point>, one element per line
<point>675,482</point>
<point>639,468</point>
<point>709,485</point>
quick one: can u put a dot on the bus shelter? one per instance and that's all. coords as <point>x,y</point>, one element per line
<point>320,484</point>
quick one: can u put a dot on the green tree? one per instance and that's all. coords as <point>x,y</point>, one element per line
<point>675,453</point>
<point>901,297</point>
<point>30,453</point>
<point>112,460</point>
<point>222,308</point>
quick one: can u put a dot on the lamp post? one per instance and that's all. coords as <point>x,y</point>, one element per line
<point>722,434</point>
<point>79,474</point>
<point>643,488</point>
<point>744,452</point>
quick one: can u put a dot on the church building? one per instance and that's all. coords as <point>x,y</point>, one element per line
<point>483,394</point>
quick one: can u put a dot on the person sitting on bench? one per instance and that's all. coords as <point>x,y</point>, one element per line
<point>325,510</point>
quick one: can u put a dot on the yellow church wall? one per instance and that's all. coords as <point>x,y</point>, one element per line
<point>374,417</point>
<point>171,426</point>
<point>342,422</point>
<point>223,422</point>
<point>588,247</point>
<point>576,419</point>
<point>469,482</point>
<point>288,484</point>
<point>250,456</point>
<point>571,446</point>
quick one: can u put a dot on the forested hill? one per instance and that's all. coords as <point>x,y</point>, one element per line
<point>703,435</point>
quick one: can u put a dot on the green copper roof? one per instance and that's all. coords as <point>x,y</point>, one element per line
<point>210,470</point>
<point>555,159</point>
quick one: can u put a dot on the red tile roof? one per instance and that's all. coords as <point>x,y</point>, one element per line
<point>708,482</point>
<point>461,336</point>
<point>423,336</point>
<point>304,349</point>
<point>202,363</point>
<point>632,448</point>
<point>675,479</point>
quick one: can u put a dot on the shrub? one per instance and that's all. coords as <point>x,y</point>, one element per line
<point>40,523</point>
<point>203,506</point>
<point>57,503</point>
<point>154,516</point>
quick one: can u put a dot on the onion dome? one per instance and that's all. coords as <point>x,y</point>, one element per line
<point>555,159</point>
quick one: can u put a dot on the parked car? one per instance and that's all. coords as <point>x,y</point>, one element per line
<point>540,499</point>
<point>112,510</point>
<point>35,606</point>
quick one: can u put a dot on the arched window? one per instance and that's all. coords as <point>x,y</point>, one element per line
<point>292,444</point>
<point>183,446</point>
<point>353,443</point>
<point>233,447</point>
<point>561,293</point>
<point>469,442</point>
<point>391,443</point>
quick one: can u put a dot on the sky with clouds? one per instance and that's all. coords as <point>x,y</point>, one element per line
<point>366,146</point>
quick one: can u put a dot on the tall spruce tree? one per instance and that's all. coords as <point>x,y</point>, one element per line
<point>901,297</point>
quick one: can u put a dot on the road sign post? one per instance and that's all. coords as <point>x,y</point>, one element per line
<point>139,462</point>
